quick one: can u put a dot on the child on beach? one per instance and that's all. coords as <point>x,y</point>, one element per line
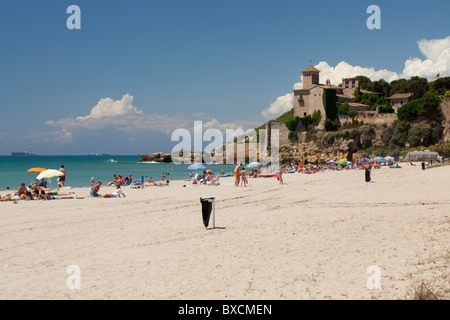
<point>280,175</point>
<point>244,177</point>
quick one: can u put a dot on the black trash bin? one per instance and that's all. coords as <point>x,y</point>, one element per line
<point>423,165</point>
<point>207,207</point>
<point>367,175</point>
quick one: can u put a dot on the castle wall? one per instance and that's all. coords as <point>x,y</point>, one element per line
<point>283,132</point>
<point>370,117</point>
<point>300,103</point>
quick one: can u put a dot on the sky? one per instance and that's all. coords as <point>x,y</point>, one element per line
<point>137,70</point>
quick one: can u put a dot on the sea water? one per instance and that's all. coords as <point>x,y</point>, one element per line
<point>80,169</point>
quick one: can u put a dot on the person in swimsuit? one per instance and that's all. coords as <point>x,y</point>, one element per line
<point>62,179</point>
<point>280,175</point>
<point>116,194</point>
<point>95,188</point>
<point>244,177</point>
<point>237,175</point>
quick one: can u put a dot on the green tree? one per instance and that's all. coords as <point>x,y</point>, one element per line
<point>441,85</point>
<point>411,110</point>
<point>316,117</point>
<point>292,124</point>
<point>447,95</point>
<point>365,83</point>
<point>342,108</point>
<point>418,86</point>
<point>329,102</point>
<point>430,104</point>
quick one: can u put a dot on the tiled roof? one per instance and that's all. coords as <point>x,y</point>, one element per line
<point>401,95</point>
<point>310,69</point>
<point>367,91</point>
<point>355,104</point>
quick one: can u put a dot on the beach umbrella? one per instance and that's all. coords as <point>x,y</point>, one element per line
<point>331,161</point>
<point>389,158</point>
<point>48,174</point>
<point>378,158</point>
<point>344,162</point>
<point>253,164</point>
<point>36,170</point>
<point>196,166</point>
<point>382,160</point>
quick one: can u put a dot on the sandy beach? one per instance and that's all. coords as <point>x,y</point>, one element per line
<point>312,238</point>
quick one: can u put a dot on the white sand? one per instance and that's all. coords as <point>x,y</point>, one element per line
<point>312,238</point>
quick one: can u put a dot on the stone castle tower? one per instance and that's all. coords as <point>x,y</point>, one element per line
<point>310,77</point>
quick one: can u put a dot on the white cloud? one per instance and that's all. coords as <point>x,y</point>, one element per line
<point>437,53</point>
<point>124,117</point>
<point>437,60</point>
<point>279,106</point>
<point>107,107</point>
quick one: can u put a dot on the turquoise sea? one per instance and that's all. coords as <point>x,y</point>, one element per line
<point>80,169</point>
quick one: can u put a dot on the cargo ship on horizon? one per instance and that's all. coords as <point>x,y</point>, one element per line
<point>22,154</point>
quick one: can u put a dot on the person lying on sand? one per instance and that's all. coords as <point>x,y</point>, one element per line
<point>95,189</point>
<point>155,184</point>
<point>116,194</point>
<point>7,198</point>
<point>45,196</point>
<point>24,193</point>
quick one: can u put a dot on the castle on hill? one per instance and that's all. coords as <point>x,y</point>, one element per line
<point>310,97</point>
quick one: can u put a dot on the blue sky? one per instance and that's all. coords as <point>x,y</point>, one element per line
<point>222,62</point>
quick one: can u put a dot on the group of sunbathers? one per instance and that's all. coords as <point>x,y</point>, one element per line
<point>206,178</point>
<point>95,188</point>
<point>30,192</point>
<point>121,179</point>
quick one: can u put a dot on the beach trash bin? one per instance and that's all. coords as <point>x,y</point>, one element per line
<point>207,208</point>
<point>423,165</point>
<point>367,175</point>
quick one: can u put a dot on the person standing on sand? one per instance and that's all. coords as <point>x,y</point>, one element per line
<point>244,177</point>
<point>62,179</point>
<point>237,176</point>
<point>280,175</point>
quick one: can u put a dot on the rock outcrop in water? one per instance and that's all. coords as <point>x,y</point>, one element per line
<point>159,157</point>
